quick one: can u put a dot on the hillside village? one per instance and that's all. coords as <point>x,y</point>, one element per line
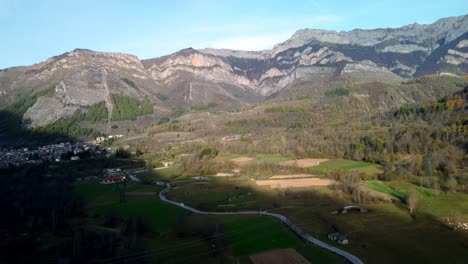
<point>55,152</point>
<point>52,152</point>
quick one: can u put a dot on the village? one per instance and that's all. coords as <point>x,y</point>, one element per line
<point>52,152</point>
<point>10,157</point>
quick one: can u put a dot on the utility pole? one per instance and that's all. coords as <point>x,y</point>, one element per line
<point>121,188</point>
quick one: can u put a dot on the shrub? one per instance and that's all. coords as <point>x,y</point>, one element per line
<point>285,109</point>
<point>122,153</point>
<point>209,152</point>
<point>129,82</point>
<point>338,91</point>
<point>204,107</point>
<point>412,200</point>
<point>177,112</point>
<point>451,183</point>
<point>162,97</point>
<point>163,120</point>
<point>155,164</point>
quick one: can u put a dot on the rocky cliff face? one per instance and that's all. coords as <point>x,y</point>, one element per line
<point>391,53</point>
<point>407,39</point>
<point>190,77</point>
<point>77,80</point>
<point>232,79</point>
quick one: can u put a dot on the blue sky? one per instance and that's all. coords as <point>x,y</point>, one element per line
<point>35,30</point>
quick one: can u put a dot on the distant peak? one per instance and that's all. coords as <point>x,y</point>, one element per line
<point>78,49</point>
<point>82,50</point>
<point>187,51</point>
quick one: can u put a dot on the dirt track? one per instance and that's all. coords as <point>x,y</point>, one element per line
<point>279,256</point>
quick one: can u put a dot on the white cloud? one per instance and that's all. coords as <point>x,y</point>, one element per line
<point>250,42</point>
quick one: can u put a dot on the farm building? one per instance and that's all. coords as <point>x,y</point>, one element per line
<point>167,163</point>
<point>349,208</point>
<point>338,238</point>
<point>112,179</point>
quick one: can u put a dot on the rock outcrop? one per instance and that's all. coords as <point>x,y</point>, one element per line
<point>231,79</point>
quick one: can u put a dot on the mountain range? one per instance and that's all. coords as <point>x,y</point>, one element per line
<point>232,79</point>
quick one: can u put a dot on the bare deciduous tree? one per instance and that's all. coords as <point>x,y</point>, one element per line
<point>412,200</point>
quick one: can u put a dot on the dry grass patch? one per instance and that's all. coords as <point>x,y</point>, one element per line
<point>224,174</point>
<point>279,256</point>
<point>376,195</point>
<point>303,163</point>
<point>241,160</point>
<point>293,176</point>
<point>291,183</point>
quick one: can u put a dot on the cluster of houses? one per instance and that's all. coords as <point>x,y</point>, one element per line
<point>235,137</point>
<point>53,152</point>
<point>100,140</point>
<point>231,138</point>
<point>340,238</point>
<point>113,176</point>
<point>112,179</point>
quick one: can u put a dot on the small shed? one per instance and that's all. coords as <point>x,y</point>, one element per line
<point>167,163</point>
<point>349,208</point>
<point>338,238</point>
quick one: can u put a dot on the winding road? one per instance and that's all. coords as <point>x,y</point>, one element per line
<point>301,233</point>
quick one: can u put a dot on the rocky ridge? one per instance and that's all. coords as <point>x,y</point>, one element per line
<point>231,79</point>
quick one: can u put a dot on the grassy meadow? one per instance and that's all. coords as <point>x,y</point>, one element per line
<point>340,164</point>
<point>245,234</point>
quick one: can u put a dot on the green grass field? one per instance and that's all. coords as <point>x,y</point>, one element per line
<point>261,158</point>
<point>217,196</point>
<point>340,164</point>
<point>270,158</point>
<point>386,230</point>
<point>382,187</point>
<point>105,200</point>
<point>166,174</point>
<point>432,203</point>
<point>256,234</point>
<point>246,235</point>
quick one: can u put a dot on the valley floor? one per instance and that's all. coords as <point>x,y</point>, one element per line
<point>387,233</point>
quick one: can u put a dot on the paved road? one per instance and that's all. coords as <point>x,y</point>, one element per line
<point>353,259</point>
